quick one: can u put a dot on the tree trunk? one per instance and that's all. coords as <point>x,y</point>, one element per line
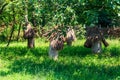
<point>18,35</point>
<point>12,30</point>
<point>105,42</point>
<point>97,47</point>
<point>30,37</point>
<point>53,53</point>
<point>3,6</point>
<point>31,43</point>
<point>70,37</point>
<point>69,42</point>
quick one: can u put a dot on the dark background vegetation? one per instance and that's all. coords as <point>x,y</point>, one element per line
<point>48,13</point>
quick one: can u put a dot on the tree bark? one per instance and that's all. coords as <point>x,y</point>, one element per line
<point>97,47</point>
<point>29,32</point>
<point>70,37</point>
<point>53,53</point>
<point>105,42</point>
<point>31,43</point>
<point>12,30</point>
<point>18,35</point>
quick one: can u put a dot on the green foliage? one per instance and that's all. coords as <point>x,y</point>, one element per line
<point>75,62</point>
<point>65,12</point>
<point>61,12</point>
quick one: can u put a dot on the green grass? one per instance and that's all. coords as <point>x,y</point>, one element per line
<point>75,63</point>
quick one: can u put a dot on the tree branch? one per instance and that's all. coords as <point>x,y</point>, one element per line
<point>1,9</point>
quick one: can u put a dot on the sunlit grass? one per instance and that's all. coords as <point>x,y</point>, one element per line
<point>17,62</point>
<point>38,43</point>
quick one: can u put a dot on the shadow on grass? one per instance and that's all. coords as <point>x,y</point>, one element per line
<point>69,71</point>
<point>112,51</point>
<point>67,51</point>
<point>22,51</point>
<point>75,51</point>
<point>58,69</point>
<point>82,51</point>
